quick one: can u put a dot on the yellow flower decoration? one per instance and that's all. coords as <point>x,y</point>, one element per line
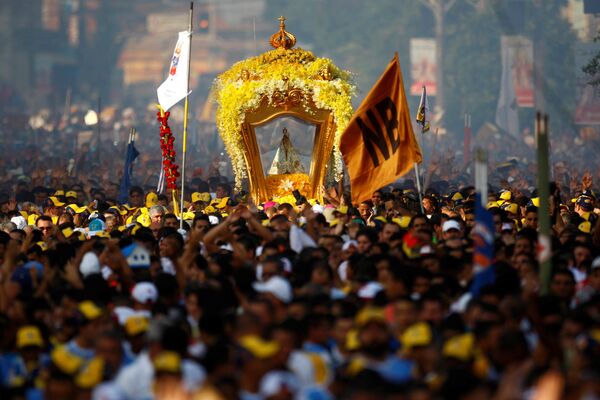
<point>242,88</point>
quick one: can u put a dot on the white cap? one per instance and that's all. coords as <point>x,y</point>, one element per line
<point>349,243</point>
<point>450,224</point>
<point>90,264</point>
<point>596,263</point>
<point>507,226</point>
<point>318,209</point>
<point>275,381</point>
<point>145,292</point>
<point>19,221</point>
<point>277,286</point>
<point>213,219</point>
<point>369,290</point>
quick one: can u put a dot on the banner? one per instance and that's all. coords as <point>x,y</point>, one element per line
<point>507,113</point>
<point>175,87</point>
<point>520,56</point>
<point>379,145</point>
<point>423,112</point>
<point>588,97</point>
<point>423,66</point>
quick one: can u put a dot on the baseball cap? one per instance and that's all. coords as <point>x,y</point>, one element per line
<point>586,203</point>
<point>71,193</point>
<point>19,221</point>
<point>55,201</point>
<point>369,314</point>
<point>596,263</point>
<point>450,224</point>
<point>259,347</point>
<point>277,286</point>
<point>29,336</point>
<point>220,203</point>
<point>145,292</point>
<point>167,361</point>
<point>136,324</point>
<point>370,290</point>
<point>151,199</point>
<point>90,264</point>
<point>416,335</point>
<point>65,361</point>
<point>204,197</point>
<point>96,225</point>
<point>89,310</point>
<point>459,347</point>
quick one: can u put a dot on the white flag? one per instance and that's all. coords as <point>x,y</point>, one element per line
<point>175,87</point>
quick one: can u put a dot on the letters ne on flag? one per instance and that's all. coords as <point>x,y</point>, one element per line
<point>175,87</point>
<point>379,145</point>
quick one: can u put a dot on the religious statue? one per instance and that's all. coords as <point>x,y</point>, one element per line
<point>287,158</point>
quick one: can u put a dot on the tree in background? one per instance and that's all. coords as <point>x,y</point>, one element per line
<point>593,67</point>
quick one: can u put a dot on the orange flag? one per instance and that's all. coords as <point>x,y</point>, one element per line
<point>379,145</point>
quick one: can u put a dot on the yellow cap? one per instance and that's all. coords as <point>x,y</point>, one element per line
<point>136,324</point>
<point>220,203</point>
<point>76,209</point>
<point>117,209</point>
<point>333,223</point>
<point>342,210</point>
<point>151,199</point>
<point>369,314</point>
<point>144,210</point>
<point>492,204</point>
<point>506,195</point>
<point>402,221</point>
<point>416,335</point>
<point>71,193</point>
<point>91,374</point>
<point>204,197</point>
<point>43,245</point>
<point>29,336</point>
<point>512,208</point>
<point>24,214</point>
<point>585,227</point>
<point>59,193</point>
<point>457,196</point>
<point>381,219</point>
<point>102,234</point>
<point>536,201</point>
<point>188,215</point>
<point>259,347</point>
<point>67,232</point>
<point>209,209</point>
<point>144,220</point>
<point>167,361</point>
<point>89,310</point>
<point>54,219</point>
<point>56,202</point>
<point>352,342</point>
<point>64,360</point>
<point>459,347</point>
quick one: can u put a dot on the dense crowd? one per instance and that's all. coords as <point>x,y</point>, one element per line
<point>312,300</point>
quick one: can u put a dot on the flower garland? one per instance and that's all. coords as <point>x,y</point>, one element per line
<point>168,152</point>
<point>242,88</point>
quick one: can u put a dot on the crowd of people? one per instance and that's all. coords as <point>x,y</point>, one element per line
<point>312,300</point>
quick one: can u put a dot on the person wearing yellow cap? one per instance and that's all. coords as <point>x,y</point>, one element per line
<point>21,369</point>
<point>89,318</point>
<point>374,352</point>
<point>59,382</point>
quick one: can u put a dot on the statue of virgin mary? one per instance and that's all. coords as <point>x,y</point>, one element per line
<point>287,158</point>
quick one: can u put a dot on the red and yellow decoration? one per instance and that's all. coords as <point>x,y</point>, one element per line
<point>168,151</point>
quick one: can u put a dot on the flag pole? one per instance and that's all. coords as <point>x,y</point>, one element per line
<point>467,140</point>
<point>544,241</point>
<point>185,118</point>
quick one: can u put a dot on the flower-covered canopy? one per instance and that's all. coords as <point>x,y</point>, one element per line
<point>263,80</point>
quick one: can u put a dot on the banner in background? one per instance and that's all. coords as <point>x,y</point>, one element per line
<point>507,111</point>
<point>520,58</point>
<point>175,87</point>
<point>423,66</point>
<point>588,97</point>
